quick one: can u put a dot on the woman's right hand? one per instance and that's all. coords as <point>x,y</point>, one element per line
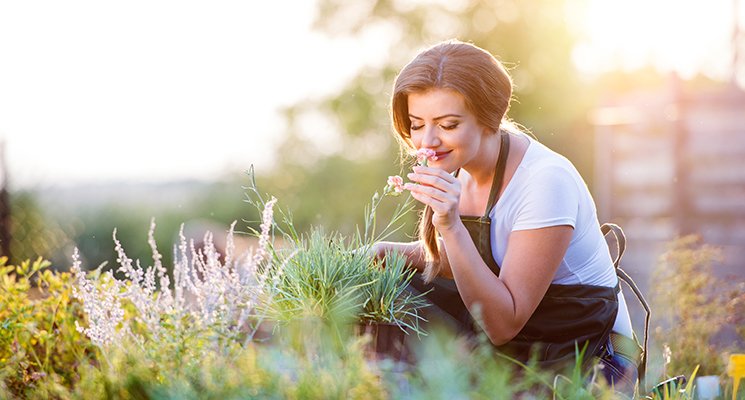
<point>439,190</point>
<point>376,250</point>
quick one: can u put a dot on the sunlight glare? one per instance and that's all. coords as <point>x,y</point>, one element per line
<point>684,36</point>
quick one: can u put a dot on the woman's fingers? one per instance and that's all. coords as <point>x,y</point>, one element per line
<point>435,188</point>
<point>438,206</point>
<point>431,191</point>
<point>436,178</point>
<point>430,180</point>
<point>429,173</point>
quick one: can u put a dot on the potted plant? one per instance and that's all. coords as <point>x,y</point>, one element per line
<point>391,310</point>
<point>321,279</point>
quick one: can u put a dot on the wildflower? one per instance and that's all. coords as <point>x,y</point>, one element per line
<point>264,237</point>
<point>667,354</point>
<point>100,303</point>
<point>395,186</point>
<point>423,155</point>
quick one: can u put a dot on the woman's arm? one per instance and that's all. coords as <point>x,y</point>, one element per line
<point>501,304</point>
<point>504,304</point>
<point>414,254</point>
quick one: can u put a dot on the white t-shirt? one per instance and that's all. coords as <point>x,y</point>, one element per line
<point>546,190</point>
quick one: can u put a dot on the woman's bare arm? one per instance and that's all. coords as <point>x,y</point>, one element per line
<point>506,302</point>
<point>414,253</point>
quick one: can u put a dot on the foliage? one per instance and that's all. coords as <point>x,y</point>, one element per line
<point>250,371</point>
<point>323,276</point>
<point>387,298</point>
<point>40,349</point>
<point>735,310</point>
<point>33,233</point>
<point>535,39</point>
<point>129,209</point>
<point>195,333</point>
<point>329,192</point>
<point>324,279</point>
<point>689,306</point>
<point>209,307</point>
<point>446,366</point>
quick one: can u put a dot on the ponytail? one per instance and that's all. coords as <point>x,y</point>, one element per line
<point>428,238</point>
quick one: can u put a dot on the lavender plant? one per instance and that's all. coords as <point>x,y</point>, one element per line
<point>212,303</point>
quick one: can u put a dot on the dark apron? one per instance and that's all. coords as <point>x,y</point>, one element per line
<point>568,315</point>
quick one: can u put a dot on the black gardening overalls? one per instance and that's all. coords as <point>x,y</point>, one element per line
<point>568,314</point>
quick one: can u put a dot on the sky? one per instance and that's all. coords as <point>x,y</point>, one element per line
<point>156,90</point>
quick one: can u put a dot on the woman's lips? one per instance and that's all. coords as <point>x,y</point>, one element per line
<point>442,154</point>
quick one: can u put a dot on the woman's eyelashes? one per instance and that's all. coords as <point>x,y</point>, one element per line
<point>446,127</point>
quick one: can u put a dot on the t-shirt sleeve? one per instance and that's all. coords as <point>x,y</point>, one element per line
<point>550,198</point>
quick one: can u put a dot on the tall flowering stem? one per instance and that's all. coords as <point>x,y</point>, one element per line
<point>394,187</point>
<point>100,303</point>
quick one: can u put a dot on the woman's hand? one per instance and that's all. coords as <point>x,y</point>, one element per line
<point>439,190</point>
<point>373,251</point>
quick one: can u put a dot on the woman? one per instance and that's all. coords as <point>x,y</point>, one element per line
<point>509,237</point>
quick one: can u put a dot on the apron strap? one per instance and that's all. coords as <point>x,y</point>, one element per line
<point>622,275</point>
<point>504,151</point>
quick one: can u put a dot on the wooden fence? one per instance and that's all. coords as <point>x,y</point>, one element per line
<point>670,163</point>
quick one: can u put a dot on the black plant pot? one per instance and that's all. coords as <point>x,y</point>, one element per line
<point>386,341</point>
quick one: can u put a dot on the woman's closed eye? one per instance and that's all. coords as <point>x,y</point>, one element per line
<point>446,127</point>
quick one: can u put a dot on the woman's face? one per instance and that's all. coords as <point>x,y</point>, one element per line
<point>440,121</point>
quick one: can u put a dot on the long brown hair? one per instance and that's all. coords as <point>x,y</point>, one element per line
<point>484,84</point>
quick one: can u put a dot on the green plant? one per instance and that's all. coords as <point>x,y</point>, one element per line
<point>736,309</point>
<point>325,279</point>
<point>387,298</point>
<point>321,275</point>
<point>319,279</point>
<point>250,371</point>
<point>186,364</point>
<point>689,305</point>
<point>40,348</point>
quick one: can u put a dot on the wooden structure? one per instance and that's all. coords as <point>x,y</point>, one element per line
<point>670,163</point>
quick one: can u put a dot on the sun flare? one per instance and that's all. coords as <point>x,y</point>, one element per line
<point>684,36</point>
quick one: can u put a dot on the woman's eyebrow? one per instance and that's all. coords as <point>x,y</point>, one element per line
<point>436,118</point>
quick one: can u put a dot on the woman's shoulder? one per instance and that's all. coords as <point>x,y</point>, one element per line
<point>540,159</point>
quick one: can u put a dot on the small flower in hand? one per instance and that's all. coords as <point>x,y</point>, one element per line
<point>423,155</point>
<point>395,186</point>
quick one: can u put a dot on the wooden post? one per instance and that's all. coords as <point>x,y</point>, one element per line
<point>681,197</point>
<point>5,236</point>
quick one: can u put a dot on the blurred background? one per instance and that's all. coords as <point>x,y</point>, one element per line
<point>115,113</point>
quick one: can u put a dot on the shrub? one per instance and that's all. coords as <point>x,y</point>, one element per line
<point>40,348</point>
<point>689,306</point>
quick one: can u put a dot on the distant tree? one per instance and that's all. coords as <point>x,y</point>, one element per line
<point>5,237</point>
<point>34,233</point>
<point>533,38</point>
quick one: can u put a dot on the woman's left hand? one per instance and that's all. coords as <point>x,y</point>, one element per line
<point>439,190</point>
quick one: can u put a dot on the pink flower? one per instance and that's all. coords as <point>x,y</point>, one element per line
<point>395,185</point>
<point>423,155</point>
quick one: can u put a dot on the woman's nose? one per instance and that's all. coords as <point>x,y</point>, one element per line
<point>430,138</point>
